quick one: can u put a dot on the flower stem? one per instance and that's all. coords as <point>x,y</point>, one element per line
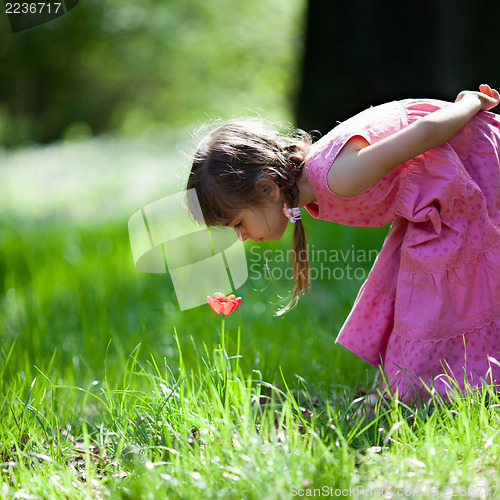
<point>223,338</point>
<point>224,356</point>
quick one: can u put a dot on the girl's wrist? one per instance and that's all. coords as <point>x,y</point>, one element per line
<point>478,101</point>
<point>474,99</point>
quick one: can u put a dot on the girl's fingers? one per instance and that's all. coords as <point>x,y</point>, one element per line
<point>486,89</point>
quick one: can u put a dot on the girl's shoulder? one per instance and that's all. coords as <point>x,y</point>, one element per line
<point>373,123</point>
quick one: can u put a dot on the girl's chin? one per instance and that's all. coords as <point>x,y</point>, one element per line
<point>276,235</point>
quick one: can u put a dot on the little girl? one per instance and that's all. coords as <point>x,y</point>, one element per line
<point>430,307</point>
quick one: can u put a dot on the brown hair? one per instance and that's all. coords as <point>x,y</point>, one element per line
<point>228,163</point>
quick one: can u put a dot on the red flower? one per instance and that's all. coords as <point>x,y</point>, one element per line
<point>221,304</point>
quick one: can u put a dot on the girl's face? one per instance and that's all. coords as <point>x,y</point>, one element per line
<point>267,222</point>
<point>263,222</point>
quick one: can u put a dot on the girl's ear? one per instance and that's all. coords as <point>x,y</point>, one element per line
<point>268,189</point>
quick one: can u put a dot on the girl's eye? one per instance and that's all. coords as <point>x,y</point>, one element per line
<point>237,225</point>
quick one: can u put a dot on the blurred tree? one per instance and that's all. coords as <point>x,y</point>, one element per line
<point>363,52</point>
<point>45,86</point>
<point>129,66</point>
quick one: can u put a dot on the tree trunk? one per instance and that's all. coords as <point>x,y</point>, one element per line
<point>361,53</point>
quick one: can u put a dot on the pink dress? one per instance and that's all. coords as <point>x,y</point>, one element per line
<point>431,303</point>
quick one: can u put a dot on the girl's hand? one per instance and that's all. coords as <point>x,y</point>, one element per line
<point>487,96</point>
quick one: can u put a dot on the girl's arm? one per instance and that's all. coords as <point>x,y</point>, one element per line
<point>360,165</point>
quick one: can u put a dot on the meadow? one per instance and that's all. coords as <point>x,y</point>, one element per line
<point>110,391</point>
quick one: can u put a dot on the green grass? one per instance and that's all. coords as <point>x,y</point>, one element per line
<point>109,391</point>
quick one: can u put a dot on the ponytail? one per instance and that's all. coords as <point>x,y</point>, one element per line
<point>300,258</point>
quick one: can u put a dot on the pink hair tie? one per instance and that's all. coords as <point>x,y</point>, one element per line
<point>292,213</point>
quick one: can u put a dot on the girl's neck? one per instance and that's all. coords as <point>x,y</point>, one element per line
<point>306,193</point>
